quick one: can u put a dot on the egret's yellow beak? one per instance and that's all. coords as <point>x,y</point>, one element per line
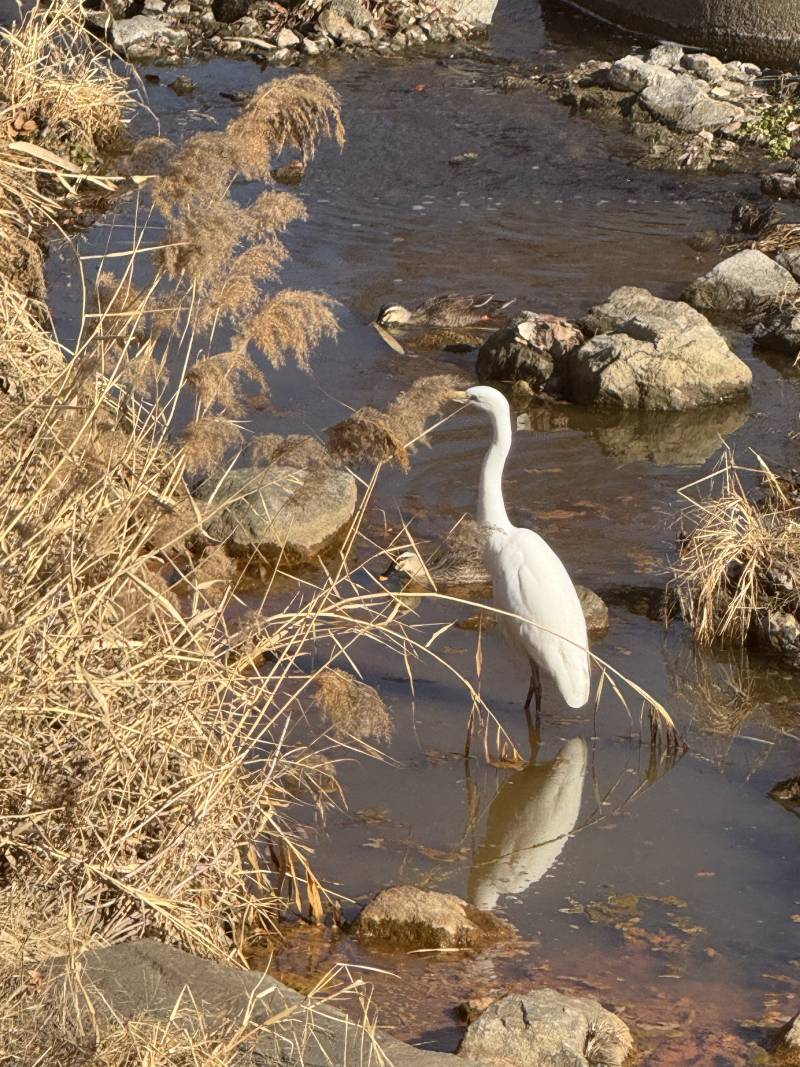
<point>459,395</point>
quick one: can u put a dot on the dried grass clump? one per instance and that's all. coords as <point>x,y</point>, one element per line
<point>740,561</point>
<point>141,776</point>
<point>372,436</point>
<point>52,72</point>
<point>352,708</point>
<point>30,359</point>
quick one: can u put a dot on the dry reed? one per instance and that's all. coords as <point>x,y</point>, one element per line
<point>372,436</point>
<point>740,559</point>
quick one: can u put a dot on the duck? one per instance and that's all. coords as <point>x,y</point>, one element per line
<point>458,561</point>
<point>448,309</point>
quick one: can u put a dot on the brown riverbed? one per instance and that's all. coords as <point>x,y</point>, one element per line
<point>696,946</point>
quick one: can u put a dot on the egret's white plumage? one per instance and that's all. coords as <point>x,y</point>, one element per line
<point>529,579</point>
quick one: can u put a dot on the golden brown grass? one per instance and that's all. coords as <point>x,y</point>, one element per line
<point>372,436</point>
<point>52,72</point>
<point>740,556</point>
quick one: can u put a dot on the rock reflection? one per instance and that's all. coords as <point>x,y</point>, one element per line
<point>667,438</point>
<point>529,822</point>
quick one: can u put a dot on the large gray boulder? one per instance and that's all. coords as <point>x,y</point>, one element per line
<point>682,101</point>
<point>743,282</point>
<point>531,349</point>
<point>281,508</point>
<point>547,1029</point>
<point>653,354</point>
<point>147,980</point>
<point>404,918</point>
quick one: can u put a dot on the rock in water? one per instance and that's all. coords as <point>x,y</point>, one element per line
<point>532,348</point>
<point>547,1029</point>
<point>653,354</point>
<point>743,282</point>
<point>780,332</point>
<point>404,917</point>
<point>594,610</point>
<point>280,508</point>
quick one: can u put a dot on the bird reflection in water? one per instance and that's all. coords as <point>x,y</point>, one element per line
<point>529,822</point>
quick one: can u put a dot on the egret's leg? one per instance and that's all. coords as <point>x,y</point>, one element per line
<point>534,690</point>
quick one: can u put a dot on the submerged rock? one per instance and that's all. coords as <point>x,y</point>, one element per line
<point>531,348</point>
<point>653,354</point>
<point>743,282</point>
<point>404,917</point>
<point>281,508</point>
<point>547,1029</point>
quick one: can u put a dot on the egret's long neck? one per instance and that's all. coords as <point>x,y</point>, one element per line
<point>491,508</point>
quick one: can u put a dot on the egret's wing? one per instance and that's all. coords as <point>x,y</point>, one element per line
<point>539,589</point>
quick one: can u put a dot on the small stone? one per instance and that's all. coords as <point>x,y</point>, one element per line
<point>291,174</point>
<point>668,54</point>
<point>282,55</point>
<point>153,7</point>
<point>742,72</point>
<point>707,67</point>
<point>632,74</point>
<point>595,611</point>
<point>183,85</point>
<point>287,38</point>
<point>405,918</point>
<point>247,27</point>
<point>180,8</point>
<point>311,48</point>
<point>462,157</point>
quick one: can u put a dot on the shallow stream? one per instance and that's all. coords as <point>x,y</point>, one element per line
<point>697,947</point>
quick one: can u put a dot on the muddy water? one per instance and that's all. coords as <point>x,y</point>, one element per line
<point>700,864</point>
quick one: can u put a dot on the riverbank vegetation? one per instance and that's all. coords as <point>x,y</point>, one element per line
<point>149,766</point>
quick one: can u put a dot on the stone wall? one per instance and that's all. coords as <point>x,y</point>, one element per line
<point>763,31</point>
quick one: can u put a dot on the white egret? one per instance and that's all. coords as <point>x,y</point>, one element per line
<point>528,578</point>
